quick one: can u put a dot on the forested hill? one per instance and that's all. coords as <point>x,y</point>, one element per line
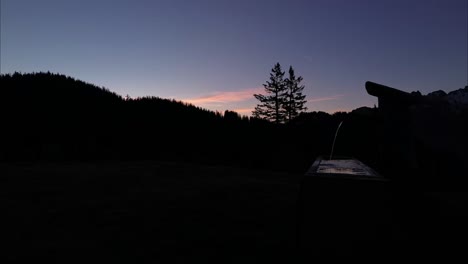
<point>53,95</point>
<point>54,117</point>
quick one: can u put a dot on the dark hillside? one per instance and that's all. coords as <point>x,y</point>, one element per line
<point>52,117</point>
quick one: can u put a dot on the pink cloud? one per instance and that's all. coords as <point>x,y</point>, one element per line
<point>327,98</point>
<point>224,97</point>
<point>219,101</point>
<point>244,111</point>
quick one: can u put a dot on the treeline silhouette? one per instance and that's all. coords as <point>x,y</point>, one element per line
<point>52,117</point>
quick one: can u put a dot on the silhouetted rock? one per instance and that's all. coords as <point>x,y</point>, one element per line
<point>438,93</point>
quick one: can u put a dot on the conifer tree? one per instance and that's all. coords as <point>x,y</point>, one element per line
<point>295,100</point>
<point>271,105</point>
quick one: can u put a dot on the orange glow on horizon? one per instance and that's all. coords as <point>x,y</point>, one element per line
<point>238,101</point>
<point>225,97</point>
<point>244,111</point>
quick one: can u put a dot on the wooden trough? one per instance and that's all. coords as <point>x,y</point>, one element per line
<point>341,201</point>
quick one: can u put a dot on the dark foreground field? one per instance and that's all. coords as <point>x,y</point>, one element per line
<point>127,212</point>
<point>138,212</point>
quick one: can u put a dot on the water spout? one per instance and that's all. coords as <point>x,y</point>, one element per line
<point>336,133</point>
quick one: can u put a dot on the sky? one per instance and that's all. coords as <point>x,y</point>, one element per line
<point>217,54</point>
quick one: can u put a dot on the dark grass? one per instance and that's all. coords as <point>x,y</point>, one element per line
<point>144,211</point>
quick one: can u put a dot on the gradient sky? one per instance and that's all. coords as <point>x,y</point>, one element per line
<point>216,54</point>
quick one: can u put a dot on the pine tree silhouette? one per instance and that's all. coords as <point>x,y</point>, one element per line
<point>271,105</point>
<point>295,100</point>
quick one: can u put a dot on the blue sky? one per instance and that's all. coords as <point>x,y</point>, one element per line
<point>217,53</point>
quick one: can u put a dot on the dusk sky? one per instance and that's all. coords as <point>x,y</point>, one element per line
<point>216,54</point>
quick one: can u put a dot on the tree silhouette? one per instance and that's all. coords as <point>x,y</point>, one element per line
<point>271,105</point>
<point>295,100</point>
